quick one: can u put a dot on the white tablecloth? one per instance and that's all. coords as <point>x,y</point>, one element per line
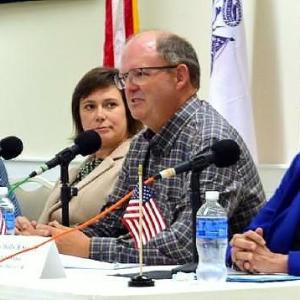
<point>96,284</point>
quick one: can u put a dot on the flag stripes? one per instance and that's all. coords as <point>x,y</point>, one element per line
<point>152,220</point>
<point>121,21</point>
<point>108,59</point>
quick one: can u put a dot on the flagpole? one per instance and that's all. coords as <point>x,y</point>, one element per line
<point>140,175</point>
<point>140,280</point>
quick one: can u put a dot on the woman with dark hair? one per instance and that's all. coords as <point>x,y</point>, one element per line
<point>97,104</point>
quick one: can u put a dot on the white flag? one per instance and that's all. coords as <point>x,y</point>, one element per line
<point>229,89</point>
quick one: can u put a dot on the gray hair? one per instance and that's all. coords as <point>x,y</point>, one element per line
<point>176,50</point>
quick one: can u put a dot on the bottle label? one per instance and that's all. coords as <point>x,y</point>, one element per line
<point>211,228</point>
<point>9,220</point>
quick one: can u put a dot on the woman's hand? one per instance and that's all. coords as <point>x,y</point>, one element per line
<point>250,253</point>
<point>25,227</point>
<point>75,243</point>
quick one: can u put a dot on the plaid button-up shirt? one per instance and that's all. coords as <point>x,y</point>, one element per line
<point>192,130</point>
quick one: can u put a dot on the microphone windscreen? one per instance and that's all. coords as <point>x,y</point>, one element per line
<point>226,153</point>
<point>11,147</point>
<point>88,142</point>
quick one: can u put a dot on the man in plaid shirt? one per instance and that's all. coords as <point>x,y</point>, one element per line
<point>160,75</point>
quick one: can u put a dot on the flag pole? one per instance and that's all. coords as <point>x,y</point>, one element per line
<point>140,280</point>
<point>140,175</point>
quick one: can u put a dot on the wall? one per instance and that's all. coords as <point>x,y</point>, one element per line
<point>46,46</point>
<point>276,74</point>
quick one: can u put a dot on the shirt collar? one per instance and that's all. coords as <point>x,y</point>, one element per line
<point>165,138</point>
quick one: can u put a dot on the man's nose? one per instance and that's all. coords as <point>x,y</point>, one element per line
<point>130,85</point>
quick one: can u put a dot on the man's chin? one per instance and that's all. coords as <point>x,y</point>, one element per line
<point>137,114</point>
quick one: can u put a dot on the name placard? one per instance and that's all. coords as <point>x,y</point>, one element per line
<point>43,262</point>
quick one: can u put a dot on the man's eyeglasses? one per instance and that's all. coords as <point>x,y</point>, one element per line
<point>138,75</point>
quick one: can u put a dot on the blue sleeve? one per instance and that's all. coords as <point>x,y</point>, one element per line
<point>294,263</point>
<point>228,256</point>
<point>4,182</point>
<point>282,198</point>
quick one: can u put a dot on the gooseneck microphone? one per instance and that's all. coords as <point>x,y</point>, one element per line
<point>87,142</point>
<point>10,147</point>
<point>223,153</point>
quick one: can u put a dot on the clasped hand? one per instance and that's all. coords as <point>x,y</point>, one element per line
<point>26,227</point>
<point>250,253</point>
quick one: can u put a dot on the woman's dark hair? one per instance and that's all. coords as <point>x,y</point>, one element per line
<point>97,79</point>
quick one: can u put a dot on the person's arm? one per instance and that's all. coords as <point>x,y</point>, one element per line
<point>74,243</point>
<point>293,264</point>
<point>171,246</point>
<point>285,193</point>
<point>281,199</point>
<point>110,240</point>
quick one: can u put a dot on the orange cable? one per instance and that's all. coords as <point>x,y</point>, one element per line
<point>91,221</point>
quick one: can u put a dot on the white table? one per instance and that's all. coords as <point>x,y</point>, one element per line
<point>95,284</point>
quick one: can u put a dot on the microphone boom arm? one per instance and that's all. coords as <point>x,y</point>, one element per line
<point>200,162</point>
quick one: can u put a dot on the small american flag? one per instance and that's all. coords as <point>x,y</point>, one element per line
<point>2,224</point>
<point>152,220</point>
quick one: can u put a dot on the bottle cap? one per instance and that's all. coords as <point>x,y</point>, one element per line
<point>212,195</point>
<point>3,191</point>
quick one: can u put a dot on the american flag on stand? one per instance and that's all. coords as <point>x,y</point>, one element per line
<point>121,21</point>
<point>152,220</point>
<point>2,224</point>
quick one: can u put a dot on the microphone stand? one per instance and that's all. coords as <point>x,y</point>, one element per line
<point>195,204</point>
<point>197,165</point>
<point>66,191</point>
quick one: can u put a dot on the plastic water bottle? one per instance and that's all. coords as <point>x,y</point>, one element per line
<point>8,211</point>
<point>211,239</point>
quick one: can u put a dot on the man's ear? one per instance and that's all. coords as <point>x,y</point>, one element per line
<point>183,75</point>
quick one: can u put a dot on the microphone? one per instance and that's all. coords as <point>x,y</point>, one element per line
<point>87,142</point>
<point>10,147</point>
<point>223,153</point>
